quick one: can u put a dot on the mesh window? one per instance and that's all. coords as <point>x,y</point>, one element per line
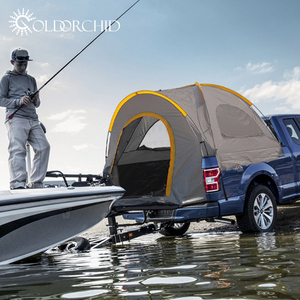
<point>235,123</point>
<point>157,136</point>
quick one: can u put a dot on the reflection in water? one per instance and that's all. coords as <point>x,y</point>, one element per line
<point>195,266</point>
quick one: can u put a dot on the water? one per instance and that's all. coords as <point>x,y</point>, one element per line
<point>196,266</point>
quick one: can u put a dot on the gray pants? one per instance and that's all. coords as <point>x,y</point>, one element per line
<point>20,131</point>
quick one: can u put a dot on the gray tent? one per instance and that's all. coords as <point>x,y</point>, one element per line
<point>201,120</point>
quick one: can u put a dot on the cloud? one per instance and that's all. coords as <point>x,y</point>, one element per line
<point>66,36</point>
<point>6,38</point>
<point>41,79</point>
<point>238,69</point>
<point>80,147</point>
<point>66,114</point>
<point>286,90</point>
<point>70,121</point>
<point>282,109</point>
<point>259,68</point>
<point>292,75</point>
<point>42,64</point>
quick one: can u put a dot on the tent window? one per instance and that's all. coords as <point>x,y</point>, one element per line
<point>156,137</point>
<point>235,123</point>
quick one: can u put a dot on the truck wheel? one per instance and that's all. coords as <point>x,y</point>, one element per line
<point>260,212</point>
<point>174,229</point>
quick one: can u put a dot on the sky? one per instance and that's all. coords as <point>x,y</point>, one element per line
<point>251,47</point>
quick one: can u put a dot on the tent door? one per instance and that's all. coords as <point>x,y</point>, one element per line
<point>142,158</point>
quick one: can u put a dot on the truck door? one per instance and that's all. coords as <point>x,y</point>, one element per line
<point>292,126</point>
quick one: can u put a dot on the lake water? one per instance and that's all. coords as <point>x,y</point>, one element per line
<point>195,266</point>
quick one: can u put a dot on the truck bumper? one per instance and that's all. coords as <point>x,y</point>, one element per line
<point>190,213</point>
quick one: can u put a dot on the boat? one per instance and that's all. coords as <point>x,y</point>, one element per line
<point>34,220</point>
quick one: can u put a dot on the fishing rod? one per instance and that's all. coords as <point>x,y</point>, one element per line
<point>111,24</point>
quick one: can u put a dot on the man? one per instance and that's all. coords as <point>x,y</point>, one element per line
<point>24,125</point>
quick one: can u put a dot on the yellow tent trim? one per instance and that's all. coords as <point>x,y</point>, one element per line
<point>226,89</point>
<point>220,87</point>
<point>198,85</point>
<point>172,145</point>
<point>139,93</point>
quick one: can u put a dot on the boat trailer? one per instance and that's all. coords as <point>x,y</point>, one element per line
<point>116,235</point>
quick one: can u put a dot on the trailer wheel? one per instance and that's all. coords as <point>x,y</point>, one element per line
<point>174,229</point>
<point>75,244</point>
<point>260,211</point>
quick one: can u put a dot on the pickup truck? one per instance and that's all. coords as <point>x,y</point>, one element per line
<point>251,193</point>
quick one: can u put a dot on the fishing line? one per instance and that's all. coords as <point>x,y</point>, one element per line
<point>111,24</point>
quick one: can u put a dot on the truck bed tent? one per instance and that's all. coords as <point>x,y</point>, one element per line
<point>200,120</point>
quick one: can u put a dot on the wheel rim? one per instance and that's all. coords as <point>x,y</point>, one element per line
<point>263,211</point>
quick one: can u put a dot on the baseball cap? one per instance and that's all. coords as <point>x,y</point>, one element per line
<point>20,55</point>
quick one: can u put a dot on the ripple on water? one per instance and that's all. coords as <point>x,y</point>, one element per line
<point>83,294</point>
<point>193,267</point>
<point>168,280</point>
<point>188,298</point>
<point>142,293</point>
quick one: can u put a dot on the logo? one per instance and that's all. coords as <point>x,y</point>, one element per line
<point>20,21</point>
<point>238,168</point>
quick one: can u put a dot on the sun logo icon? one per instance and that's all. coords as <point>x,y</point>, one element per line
<point>19,22</point>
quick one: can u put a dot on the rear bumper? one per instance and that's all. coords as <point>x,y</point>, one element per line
<point>198,212</point>
<point>191,213</point>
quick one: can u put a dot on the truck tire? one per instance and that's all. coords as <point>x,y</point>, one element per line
<point>260,211</point>
<point>174,229</point>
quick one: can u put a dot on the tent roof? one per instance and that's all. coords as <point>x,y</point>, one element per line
<point>170,100</point>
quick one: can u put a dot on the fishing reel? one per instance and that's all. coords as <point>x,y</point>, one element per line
<point>29,94</point>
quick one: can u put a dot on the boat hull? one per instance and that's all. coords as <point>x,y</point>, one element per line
<point>32,222</point>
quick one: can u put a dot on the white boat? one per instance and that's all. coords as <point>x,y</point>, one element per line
<point>34,220</point>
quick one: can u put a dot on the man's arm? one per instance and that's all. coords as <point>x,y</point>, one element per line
<point>36,98</point>
<point>4,101</point>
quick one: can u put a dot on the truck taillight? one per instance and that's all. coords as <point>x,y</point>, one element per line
<point>212,179</point>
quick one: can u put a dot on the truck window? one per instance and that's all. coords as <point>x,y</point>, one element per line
<point>292,130</point>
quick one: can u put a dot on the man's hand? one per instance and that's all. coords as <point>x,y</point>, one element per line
<point>36,96</point>
<point>25,100</point>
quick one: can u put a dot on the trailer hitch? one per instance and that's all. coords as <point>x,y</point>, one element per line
<point>116,237</point>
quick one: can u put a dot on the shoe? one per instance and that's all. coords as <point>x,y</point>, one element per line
<point>18,188</point>
<point>35,185</point>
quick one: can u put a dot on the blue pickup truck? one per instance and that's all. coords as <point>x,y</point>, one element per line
<point>251,193</point>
